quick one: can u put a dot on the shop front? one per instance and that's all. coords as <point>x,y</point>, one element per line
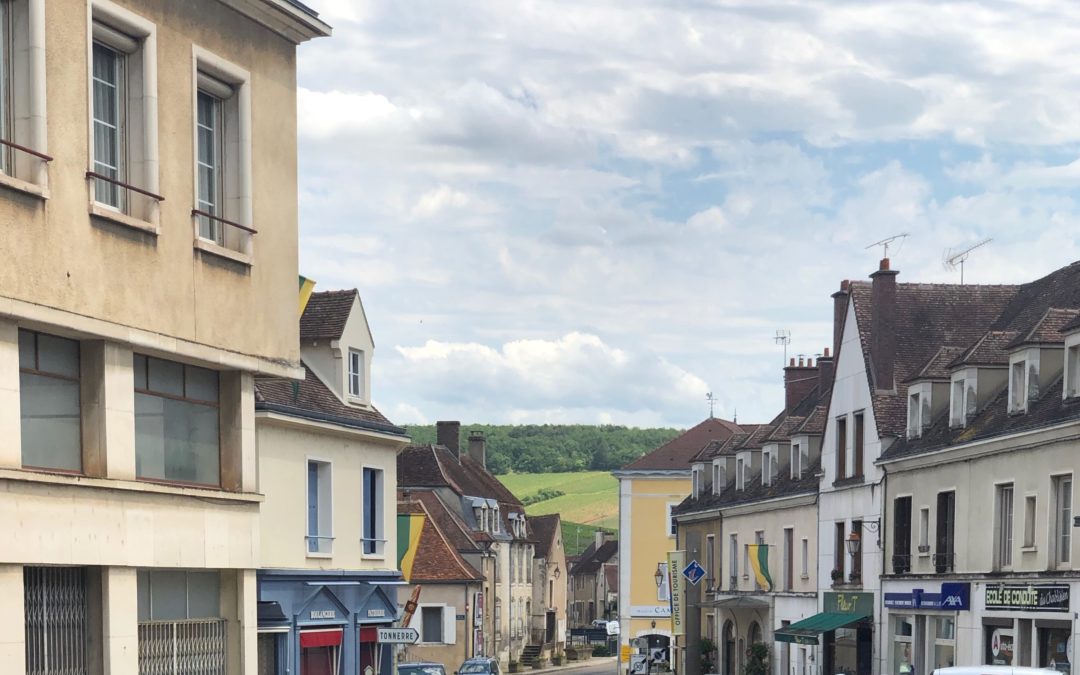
<point>922,624</point>
<point>315,624</point>
<point>1028,625</point>
<point>844,629</point>
<point>745,620</point>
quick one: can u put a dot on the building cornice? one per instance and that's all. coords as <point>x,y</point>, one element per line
<point>284,18</point>
<point>284,416</point>
<point>785,502</point>
<point>651,473</point>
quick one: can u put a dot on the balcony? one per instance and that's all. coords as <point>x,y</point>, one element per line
<point>943,562</point>
<point>901,563</point>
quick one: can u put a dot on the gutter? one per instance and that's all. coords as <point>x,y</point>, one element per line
<point>331,419</point>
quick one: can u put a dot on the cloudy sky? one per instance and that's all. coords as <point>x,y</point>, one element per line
<point>597,211</point>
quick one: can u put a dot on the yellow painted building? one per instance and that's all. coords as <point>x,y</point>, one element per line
<point>649,488</point>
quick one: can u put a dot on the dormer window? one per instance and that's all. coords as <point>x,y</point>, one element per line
<point>769,466</point>
<point>796,461</point>
<point>695,481</point>
<point>740,473</point>
<point>356,373</point>
<point>918,418</point>
<point>1072,370</point>
<point>719,478</point>
<point>1023,379</point>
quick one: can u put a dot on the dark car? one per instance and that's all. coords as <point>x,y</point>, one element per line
<point>421,668</point>
<point>480,665</point>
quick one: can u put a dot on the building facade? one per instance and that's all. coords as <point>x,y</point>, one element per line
<point>649,488</point>
<point>327,467</point>
<point>150,277</point>
<point>549,615</point>
<point>590,582</point>
<point>981,561</point>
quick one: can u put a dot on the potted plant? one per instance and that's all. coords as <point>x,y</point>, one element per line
<point>538,663</point>
<point>556,660</point>
<point>757,660</point>
<point>708,655</point>
<point>837,575</point>
<point>854,577</point>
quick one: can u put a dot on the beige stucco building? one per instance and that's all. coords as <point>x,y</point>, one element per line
<point>328,467</point>
<point>549,605</point>
<point>131,329</point>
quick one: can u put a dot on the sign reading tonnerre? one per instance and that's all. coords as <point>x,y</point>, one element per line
<point>676,562</point>
<point>398,636</point>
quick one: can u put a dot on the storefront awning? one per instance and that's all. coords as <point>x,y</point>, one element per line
<point>806,632</point>
<point>330,637</point>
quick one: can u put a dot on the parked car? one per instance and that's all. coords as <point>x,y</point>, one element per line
<point>479,665</point>
<point>421,668</point>
<point>995,670</point>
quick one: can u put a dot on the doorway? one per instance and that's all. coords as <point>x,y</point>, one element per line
<point>549,632</point>
<point>729,648</point>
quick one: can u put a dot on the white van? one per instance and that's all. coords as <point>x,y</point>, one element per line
<point>995,670</point>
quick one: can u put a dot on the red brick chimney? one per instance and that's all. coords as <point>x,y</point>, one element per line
<point>840,303</point>
<point>825,369</point>
<point>449,434</point>
<point>799,381</point>
<point>883,327</point>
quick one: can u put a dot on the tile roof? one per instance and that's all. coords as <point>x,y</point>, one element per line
<point>814,424</point>
<point>1071,326</point>
<point>782,486</point>
<point>1037,314</point>
<point>592,560</point>
<point>989,350</point>
<point>677,453</point>
<point>544,530</point>
<point>928,316</point>
<point>326,314</point>
<point>436,559</point>
<point>455,530</point>
<point>1046,330</point>
<point>311,398</point>
<point>937,368</point>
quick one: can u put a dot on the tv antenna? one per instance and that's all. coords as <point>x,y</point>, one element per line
<point>886,242</point>
<point>712,402</point>
<point>783,337</point>
<point>951,259</point>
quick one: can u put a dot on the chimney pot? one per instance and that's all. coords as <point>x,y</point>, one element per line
<point>883,327</point>
<point>792,361</point>
<point>884,267</point>
<point>826,353</point>
<point>448,434</point>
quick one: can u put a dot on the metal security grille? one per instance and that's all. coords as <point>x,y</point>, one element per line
<point>193,647</point>
<point>55,620</point>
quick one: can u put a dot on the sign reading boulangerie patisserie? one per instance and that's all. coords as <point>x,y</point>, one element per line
<point>1028,598</point>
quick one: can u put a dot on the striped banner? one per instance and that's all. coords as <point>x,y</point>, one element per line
<point>306,288</point>
<point>409,528</point>
<point>759,561</point>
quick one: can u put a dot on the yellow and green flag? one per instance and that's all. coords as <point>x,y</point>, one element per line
<point>759,561</point>
<point>306,288</point>
<point>409,528</point>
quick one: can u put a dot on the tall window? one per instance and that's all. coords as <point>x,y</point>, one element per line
<point>733,562</point>
<point>1017,386</point>
<point>924,529</point>
<point>109,110</point>
<point>789,555</point>
<point>356,373</point>
<point>913,426</point>
<point>958,411</point>
<point>1062,519</point>
<point>210,126</point>
<point>1004,530</point>
<point>944,551</point>
<point>902,535</point>
<point>796,461</point>
<point>6,54</point>
<point>673,527</point>
<point>739,477</point>
<point>1029,521</point>
<point>858,444</point>
<point>431,620</point>
<point>374,539</point>
<point>839,552</point>
<point>319,507</point>
<point>49,402</point>
<point>1072,367</point>
<point>176,422</point>
<point>710,561</point>
<point>805,567</point>
<point>841,448</point>
<point>856,560</point>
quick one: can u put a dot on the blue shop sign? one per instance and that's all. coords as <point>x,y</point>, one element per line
<point>953,596</point>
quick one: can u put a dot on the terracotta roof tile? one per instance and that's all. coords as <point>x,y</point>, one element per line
<point>989,350</point>
<point>455,530</point>
<point>1047,330</point>
<point>678,453</point>
<point>311,395</point>
<point>326,314</point>
<point>937,368</point>
<point>436,559</point>
<point>436,466</point>
<point>782,486</point>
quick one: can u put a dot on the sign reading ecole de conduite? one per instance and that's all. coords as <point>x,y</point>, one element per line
<point>1028,598</point>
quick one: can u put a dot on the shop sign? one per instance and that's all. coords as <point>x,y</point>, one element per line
<point>676,561</point>
<point>953,596</point>
<point>317,614</point>
<point>1028,598</point>
<point>849,603</point>
<point>376,613</point>
<point>650,611</point>
<point>1001,647</point>
<point>478,609</point>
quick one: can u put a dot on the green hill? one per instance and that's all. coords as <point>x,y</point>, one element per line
<point>554,448</point>
<point>586,500</point>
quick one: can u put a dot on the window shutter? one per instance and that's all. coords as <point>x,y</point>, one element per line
<point>449,626</point>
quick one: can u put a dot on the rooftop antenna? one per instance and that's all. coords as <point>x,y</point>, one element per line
<point>783,337</point>
<point>712,402</point>
<point>951,259</point>
<point>886,242</point>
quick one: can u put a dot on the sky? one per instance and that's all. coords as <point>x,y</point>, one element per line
<point>598,211</point>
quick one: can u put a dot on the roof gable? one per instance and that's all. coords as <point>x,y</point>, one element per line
<point>678,453</point>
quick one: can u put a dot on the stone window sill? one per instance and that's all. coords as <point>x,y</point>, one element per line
<point>211,248</point>
<point>18,185</point>
<point>320,556</point>
<point>1029,549</point>
<point>79,480</point>
<point>114,216</point>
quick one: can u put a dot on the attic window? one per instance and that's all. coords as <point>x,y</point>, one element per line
<point>796,462</point>
<point>1023,381</point>
<point>918,410</point>
<point>1072,365</point>
<point>719,477</point>
<point>695,481</point>
<point>740,477</point>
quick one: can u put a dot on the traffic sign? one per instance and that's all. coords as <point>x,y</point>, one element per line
<point>693,572</point>
<point>398,636</point>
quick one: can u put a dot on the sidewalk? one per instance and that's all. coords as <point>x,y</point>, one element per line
<point>595,662</point>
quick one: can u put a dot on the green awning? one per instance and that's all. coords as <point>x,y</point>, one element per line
<point>806,632</point>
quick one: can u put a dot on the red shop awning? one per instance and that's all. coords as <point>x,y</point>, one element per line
<point>330,637</point>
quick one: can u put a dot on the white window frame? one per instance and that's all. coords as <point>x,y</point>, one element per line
<point>1023,379</point>
<point>359,356</point>
<point>380,522</point>
<point>766,467</point>
<point>25,94</point>
<point>325,534</point>
<point>733,553</point>
<point>740,465</point>
<point>672,530</point>
<point>1031,515</point>
<point>796,460</point>
<point>805,558</point>
<point>920,401</point>
<point>231,84</point>
<point>957,401</point>
<point>1061,521</point>
<point>1072,366</point>
<point>695,481</point>
<point>924,531</point>
<point>124,31</point>
<point>710,561</point>
<point>719,476</point>
<point>449,623</point>
<point>1004,513</point>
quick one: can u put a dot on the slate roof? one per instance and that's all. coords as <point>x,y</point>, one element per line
<point>678,453</point>
<point>455,530</point>
<point>326,314</point>
<point>937,368</point>
<point>435,466</point>
<point>814,424</point>
<point>928,316</point>
<point>1037,314</point>
<point>544,530</point>
<point>989,350</point>
<point>592,561</point>
<point>310,398</point>
<point>781,486</point>
<point>437,561</point>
